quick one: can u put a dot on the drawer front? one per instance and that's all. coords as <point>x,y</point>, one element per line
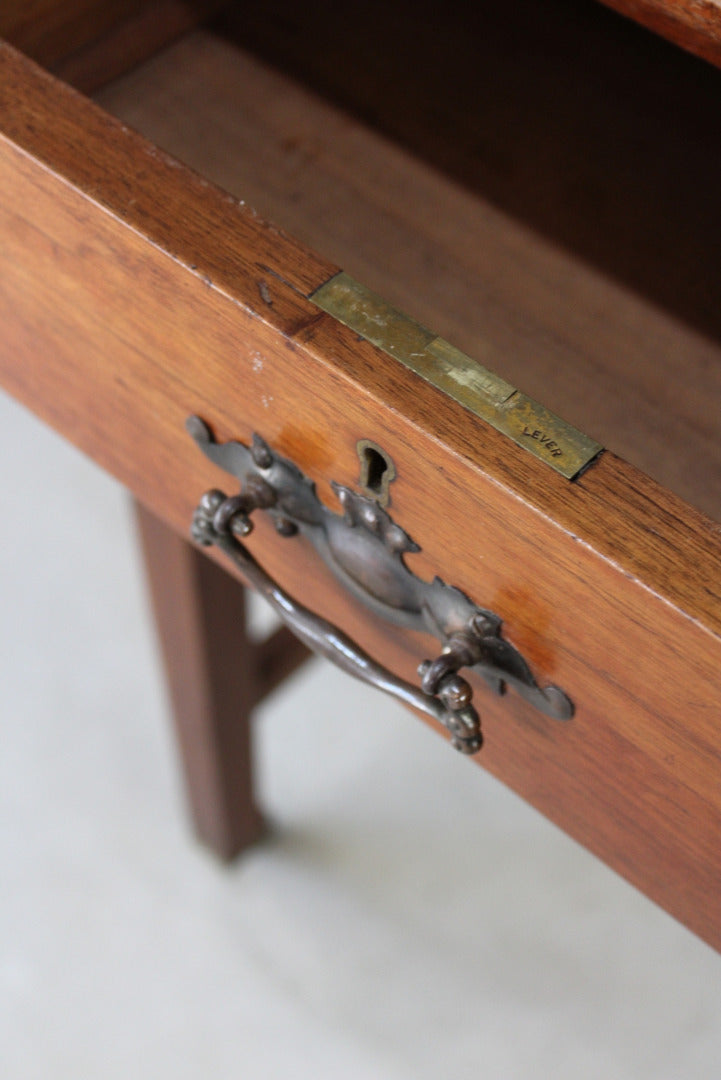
<point>134,293</point>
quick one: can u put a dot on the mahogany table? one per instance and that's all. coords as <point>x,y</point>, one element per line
<point>538,185</point>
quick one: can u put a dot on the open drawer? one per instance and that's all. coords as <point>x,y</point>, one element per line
<point>543,193</point>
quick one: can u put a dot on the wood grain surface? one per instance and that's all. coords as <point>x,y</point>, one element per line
<point>216,674</point>
<point>213,680</point>
<point>614,364</point>
<point>135,292</point>
<point>87,42</point>
<point>693,24</point>
<point>576,123</point>
<point>49,30</point>
<point>130,41</point>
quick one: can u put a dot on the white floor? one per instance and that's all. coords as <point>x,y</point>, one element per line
<point>408,919</point>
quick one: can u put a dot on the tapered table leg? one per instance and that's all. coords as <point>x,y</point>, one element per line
<point>216,675</point>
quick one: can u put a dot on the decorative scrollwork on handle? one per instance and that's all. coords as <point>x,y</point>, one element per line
<point>221,520</point>
<point>364,549</point>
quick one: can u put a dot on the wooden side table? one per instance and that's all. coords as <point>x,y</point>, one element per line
<point>542,191</point>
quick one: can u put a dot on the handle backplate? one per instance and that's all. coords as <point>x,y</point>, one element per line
<point>364,548</point>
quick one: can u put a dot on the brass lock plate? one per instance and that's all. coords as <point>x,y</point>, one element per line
<point>484,393</point>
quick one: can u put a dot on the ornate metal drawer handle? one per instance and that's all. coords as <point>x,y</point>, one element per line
<point>364,548</point>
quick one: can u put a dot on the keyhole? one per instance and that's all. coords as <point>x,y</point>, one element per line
<point>377,471</point>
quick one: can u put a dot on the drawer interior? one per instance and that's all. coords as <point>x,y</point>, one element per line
<point>538,184</point>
